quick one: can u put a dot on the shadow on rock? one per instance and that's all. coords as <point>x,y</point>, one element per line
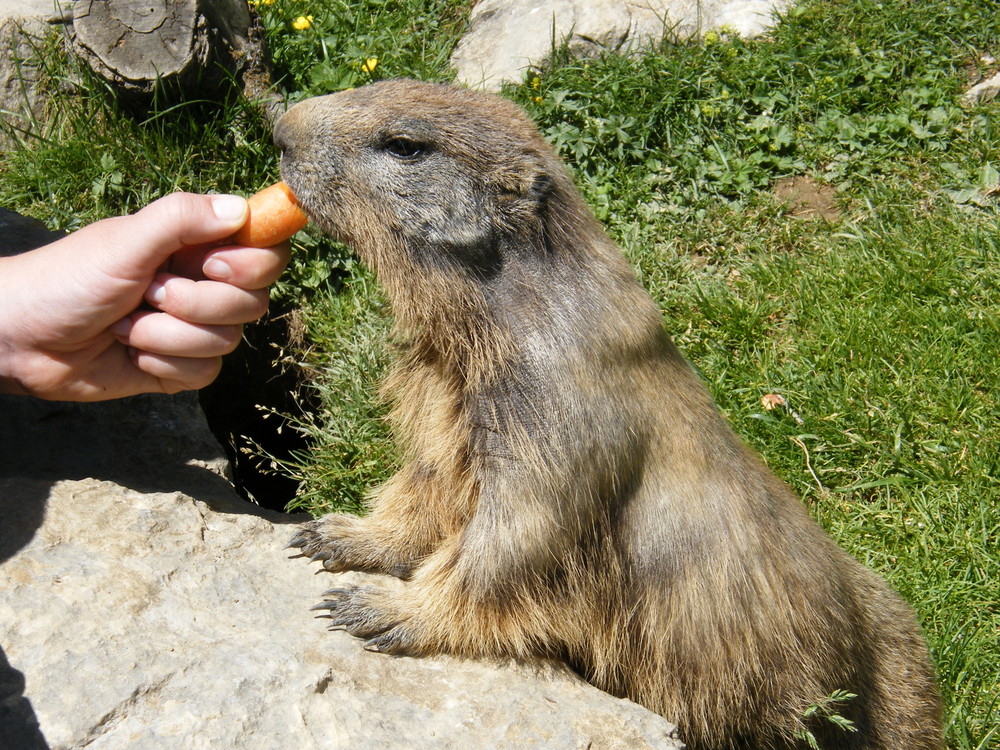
<point>148,443</point>
<point>18,723</point>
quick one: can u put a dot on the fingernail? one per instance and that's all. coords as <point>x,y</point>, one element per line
<point>229,207</point>
<point>156,293</point>
<point>217,269</point>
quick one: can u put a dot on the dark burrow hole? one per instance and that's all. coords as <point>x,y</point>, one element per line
<point>245,405</point>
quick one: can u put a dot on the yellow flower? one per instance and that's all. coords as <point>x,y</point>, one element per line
<point>369,65</point>
<point>302,23</point>
<point>711,37</point>
<point>536,82</point>
<point>538,100</point>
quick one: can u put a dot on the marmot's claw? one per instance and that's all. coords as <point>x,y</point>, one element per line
<point>306,539</point>
<point>318,544</point>
<point>357,610</point>
<point>394,641</point>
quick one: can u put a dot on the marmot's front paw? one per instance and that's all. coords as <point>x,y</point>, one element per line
<point>367,612</point>
<point>345,542</point>
<point>320,540</point>
<point>315,542</point>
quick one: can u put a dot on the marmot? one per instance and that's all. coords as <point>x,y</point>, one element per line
<point>570,490</point>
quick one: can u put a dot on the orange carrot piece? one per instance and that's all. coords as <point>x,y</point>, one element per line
<point>274,216</point>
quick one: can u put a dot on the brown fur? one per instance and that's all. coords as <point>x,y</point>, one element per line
<point>570,489</point>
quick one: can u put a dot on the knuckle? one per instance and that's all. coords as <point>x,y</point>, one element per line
<point>174,207</point>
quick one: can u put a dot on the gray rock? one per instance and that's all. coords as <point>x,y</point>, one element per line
<point>985,91</point>
<point>21,100</point>
<point>31,8</point>
<point>22,233</point>
<point>24,27</point>
<point>150,619</point>
<point>508,36</point>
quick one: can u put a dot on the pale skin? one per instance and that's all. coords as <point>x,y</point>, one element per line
<point>146,303</point>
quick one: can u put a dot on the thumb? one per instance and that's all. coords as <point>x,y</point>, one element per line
<point>140,243</point>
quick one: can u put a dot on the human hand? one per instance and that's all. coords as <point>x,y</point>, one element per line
<point>73,325</point>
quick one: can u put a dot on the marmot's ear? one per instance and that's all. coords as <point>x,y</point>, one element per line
<point>541,186</point>
<point>531,181</point>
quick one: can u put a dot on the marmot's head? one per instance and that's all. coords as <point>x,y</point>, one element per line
<point>429,170</point>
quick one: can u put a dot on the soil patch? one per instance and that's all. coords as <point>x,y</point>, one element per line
<point>807,198</point>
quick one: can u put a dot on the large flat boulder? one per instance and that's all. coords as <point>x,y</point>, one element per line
<point>138,619</point>
<point>506,37</point>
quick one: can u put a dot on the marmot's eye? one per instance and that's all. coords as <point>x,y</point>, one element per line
<point>404,148</point>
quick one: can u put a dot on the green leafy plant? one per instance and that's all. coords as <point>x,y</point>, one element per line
<point>826,710</point>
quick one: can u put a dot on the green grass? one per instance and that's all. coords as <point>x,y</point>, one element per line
<point>346,355</point>
<point>880,330</point>
<point>348,44</point>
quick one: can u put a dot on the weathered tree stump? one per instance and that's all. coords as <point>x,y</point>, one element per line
<point>175,46</point>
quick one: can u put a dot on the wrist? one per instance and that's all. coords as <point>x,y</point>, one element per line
<point>9,383</point>
<point>11,386</point>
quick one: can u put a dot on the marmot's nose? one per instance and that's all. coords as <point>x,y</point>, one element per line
<point>281,138</point>
<point>294,130</point>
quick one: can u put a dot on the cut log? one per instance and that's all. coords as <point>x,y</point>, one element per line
<point>142,46</point>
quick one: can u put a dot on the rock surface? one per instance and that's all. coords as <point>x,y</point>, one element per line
<point>985,91</point>
<point>150,619</point>
<point>32,8</point>
<point>21,100</point>
<point>508,36</point>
